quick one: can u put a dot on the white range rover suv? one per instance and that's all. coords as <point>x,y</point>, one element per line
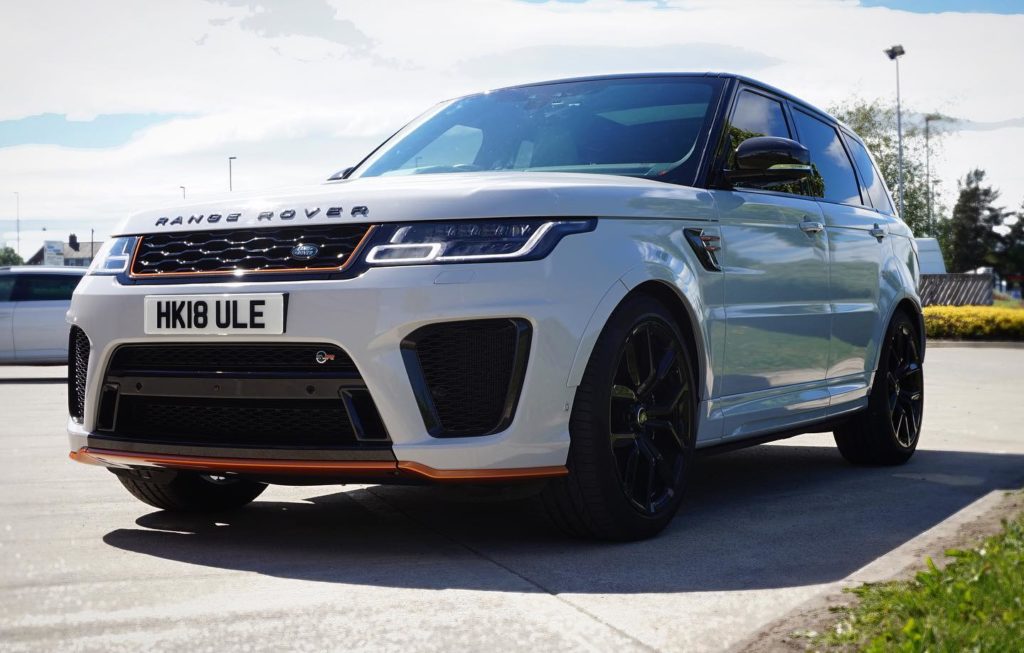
<point>578,282</point>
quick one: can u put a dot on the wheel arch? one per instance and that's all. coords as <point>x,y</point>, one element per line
<point>912,309</point>
<point>660,285</point>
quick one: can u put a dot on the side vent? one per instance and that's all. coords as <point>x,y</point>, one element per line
<point>705,246</point>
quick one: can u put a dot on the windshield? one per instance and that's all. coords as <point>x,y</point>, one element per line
<point>642,127</point>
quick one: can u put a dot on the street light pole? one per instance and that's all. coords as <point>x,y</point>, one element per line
<point>230,184</point>
<point>928,168</point>
<point>894,53</point>
<point>182,191</point>
<point>17,219</point>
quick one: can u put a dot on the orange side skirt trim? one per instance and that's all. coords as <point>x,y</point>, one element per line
<point>356,468</point>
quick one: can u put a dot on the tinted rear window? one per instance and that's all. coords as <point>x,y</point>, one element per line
<point>870,176</point>
<point>6,286</point>
<point>45,287</point>
<point>833,177</point>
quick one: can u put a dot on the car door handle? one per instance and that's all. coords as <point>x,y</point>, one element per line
<point>811,226</point>
<point>878,232</point>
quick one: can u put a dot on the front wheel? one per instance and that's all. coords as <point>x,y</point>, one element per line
<point>888,431</point>
<point>632,429</point>
<point>189,491</point>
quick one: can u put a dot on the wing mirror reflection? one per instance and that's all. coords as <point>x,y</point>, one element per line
<point>764,160</point>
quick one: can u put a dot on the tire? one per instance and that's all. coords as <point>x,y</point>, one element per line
<point>190,492</point>
<point>624,445</point>
<point>887,432</point>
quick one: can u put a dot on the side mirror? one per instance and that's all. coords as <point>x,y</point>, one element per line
<point>341,174</point>
<point>764,160</point>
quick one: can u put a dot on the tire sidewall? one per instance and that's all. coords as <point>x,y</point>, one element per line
<point>591,431</point>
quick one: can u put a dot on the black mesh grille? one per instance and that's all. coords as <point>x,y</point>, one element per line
<point>246,250</point>
<point>320,423</point>
<point>150,408</point>
<point>231,358</point>
<point>471,371</point>
<point>78,366</point>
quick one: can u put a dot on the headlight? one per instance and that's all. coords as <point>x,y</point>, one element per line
<point>470,241</point>
<point>114,256</point>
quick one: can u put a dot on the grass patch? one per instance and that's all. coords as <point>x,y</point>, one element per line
<point>975,604</point>
<point>974,322</point>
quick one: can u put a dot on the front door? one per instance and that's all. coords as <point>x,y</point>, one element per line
<point>6,318</point>
<point>40,327</point>
<point>776,268</point>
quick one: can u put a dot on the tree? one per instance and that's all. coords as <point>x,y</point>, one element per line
<point>1011,255</point>
<point>10,257</point>
<point>875,123</point>
<point>973,240</point>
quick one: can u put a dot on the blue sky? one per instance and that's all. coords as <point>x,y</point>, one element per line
<point>937,6</point>
<point>108,130</point>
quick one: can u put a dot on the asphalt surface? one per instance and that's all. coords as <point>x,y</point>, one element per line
<point>83,566</point>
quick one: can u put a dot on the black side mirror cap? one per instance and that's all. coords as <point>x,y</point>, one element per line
<point>341,174</point>
<point>764,160</point>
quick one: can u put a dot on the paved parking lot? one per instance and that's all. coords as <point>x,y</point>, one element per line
<point>83,566</point>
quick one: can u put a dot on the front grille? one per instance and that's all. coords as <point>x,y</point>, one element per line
<point>294,424</point>
<point>242,251</point>
<point>217,358</point>
<point>78,366</point>
<point>467,375</point>
<point>265,395</point>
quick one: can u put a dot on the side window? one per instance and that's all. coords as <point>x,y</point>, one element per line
<point>45,287</point>
<point>755,115</point>
<point>833,178</point>
<point>872,179</point>
<point>6,287</point>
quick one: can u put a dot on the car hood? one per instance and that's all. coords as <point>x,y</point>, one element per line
<point>451,196</point>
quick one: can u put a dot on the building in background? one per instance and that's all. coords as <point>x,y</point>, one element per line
<point>73,253</point>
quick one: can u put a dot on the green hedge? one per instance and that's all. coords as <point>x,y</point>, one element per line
<point>974,322</point>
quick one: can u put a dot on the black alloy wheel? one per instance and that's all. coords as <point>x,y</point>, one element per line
<point>649,416</point>
<point>905,384</point>
<point>888,430</point>
<point>632,428</point>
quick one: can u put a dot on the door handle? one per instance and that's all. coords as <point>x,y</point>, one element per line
<point>878,232</point>
<point>811,227</point>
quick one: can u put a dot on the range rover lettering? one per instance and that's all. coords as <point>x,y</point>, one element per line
<point>576,284</point>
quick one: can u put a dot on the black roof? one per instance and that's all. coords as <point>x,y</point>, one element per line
<point>741,78</point>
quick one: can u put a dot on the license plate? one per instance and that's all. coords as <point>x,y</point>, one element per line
<point>215,314</point>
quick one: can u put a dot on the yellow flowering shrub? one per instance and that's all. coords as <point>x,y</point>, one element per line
<point>974,322</point>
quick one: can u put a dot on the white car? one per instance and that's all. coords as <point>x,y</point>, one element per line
<point>34,302</point>
<point>578,282</point>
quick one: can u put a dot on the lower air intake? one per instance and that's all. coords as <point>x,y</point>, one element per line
<point>467,375</point>
<point>78,365</point>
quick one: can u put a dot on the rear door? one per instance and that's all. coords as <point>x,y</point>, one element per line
<point>40,331</point>
<point>775,261</point>
<point>856,235</point>
<point>6,317</point>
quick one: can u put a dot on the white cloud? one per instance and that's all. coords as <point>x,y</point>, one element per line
<point>296,94</point>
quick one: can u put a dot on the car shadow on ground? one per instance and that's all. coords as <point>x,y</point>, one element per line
<point>771,516</point>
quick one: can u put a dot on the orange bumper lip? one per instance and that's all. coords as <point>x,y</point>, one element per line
<point>347,468</point>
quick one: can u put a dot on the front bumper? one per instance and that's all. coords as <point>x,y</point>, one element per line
<point>369,317</point>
